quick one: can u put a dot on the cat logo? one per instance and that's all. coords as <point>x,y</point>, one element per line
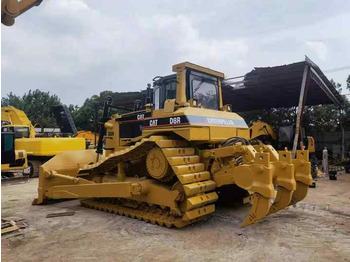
<point>153,122</point>
<point>141,116</point>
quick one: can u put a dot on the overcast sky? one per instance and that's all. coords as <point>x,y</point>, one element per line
<point>76,48</point>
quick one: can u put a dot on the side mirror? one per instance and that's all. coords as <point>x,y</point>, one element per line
<point>227,108</point>
<point>193,102</point>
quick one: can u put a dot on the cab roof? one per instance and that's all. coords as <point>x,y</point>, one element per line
<point>184,65</point>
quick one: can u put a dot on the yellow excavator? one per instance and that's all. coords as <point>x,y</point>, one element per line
<point>13,160</point>
<point>38,149</point>
<point>167,163</point>
<point>10,9</point>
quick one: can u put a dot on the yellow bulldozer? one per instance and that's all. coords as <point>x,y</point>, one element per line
<point>167,163</point>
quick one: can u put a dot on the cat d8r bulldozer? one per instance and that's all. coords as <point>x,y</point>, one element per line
<point>167,163</point>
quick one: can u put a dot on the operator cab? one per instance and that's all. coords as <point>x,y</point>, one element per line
<point>163,88</point>
<point>18,131</point>
<point>200,86</point>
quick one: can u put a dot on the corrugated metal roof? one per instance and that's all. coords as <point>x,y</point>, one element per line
<point>279,86</point>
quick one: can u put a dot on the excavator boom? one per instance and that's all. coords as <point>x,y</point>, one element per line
<point>10,9</point>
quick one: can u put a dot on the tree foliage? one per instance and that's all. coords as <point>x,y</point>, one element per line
<point>36,104</point>
<point>84,116</point>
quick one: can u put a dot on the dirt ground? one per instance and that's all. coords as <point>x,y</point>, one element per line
<point>317,229</point>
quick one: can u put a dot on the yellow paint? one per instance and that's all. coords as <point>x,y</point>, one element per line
<point>16,117</point>
<point>49,146</point>
<point>174,169</point>
<point>19,154</point>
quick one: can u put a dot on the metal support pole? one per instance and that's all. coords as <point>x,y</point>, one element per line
<point>342,135</point>
<point>95,123</point>
<point>300,109</point>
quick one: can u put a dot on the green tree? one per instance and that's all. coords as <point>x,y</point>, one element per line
<point>84,116</point>
<point>36,104</point>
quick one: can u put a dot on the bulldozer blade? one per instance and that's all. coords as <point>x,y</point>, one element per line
<point>282,200</point>
<point>260,208</point>
<point>300,193</point>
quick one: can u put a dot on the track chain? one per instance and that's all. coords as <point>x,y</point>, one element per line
<point>152,214</point>
<point>190,172</point>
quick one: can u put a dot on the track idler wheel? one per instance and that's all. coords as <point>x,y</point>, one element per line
<point>158,166</point>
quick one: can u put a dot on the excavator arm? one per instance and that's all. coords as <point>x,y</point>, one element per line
<point>10,9</point>
<point>15,117</point>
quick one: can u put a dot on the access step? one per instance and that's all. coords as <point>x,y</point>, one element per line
<point>183,160</point>
<point>199,201</point>
<point>190,168</point>
<point>199,187</point>
<point>198,212</point>
<point>193,177</point>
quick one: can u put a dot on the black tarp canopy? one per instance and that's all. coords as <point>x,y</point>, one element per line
<point>279,86</point>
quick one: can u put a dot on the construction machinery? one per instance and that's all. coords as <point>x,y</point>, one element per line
<point>11,160</point>
<point>171,161</point>
<point>38,149</point>
<point>282,137</point>
<point>90,138</point>
<point>10,9</point>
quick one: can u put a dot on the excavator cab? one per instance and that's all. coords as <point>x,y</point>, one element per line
<point>18,131</point>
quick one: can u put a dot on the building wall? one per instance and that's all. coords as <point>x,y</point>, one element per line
<point>331,140</point>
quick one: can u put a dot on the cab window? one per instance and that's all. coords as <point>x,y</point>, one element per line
<point>8,142</point>
<point>204,88</point>
<point>21,132</point>
<point>165,89</point>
